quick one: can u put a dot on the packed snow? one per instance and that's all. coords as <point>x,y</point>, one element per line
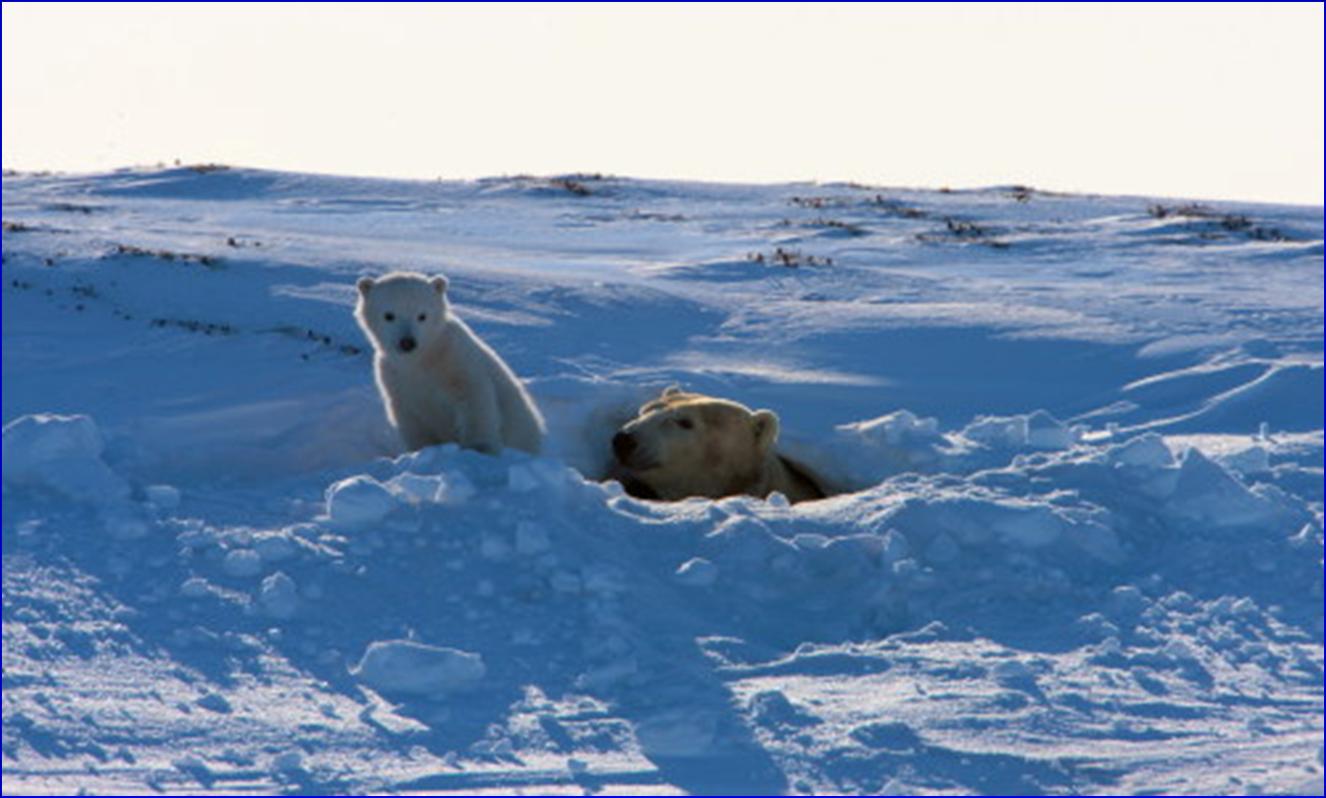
<point>1075,443</point>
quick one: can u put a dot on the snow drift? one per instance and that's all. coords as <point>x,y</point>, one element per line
<point>1078,546</point>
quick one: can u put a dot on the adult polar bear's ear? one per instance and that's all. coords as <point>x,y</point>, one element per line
<point>439,284</point>
<point>671,390</point>
<point>365,284</point>
<point>765,425</point>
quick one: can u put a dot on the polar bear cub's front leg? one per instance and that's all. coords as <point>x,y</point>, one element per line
<point>440,382</point>
<point>414,433</point>
<point>480,425</point>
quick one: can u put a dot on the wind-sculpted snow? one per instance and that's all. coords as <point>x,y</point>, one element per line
<point>1075,547</point>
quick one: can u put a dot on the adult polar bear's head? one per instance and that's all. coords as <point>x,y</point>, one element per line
<point>685,444</point>
<point>402,312</point>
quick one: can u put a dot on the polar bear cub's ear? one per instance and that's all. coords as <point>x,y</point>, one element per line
<point>439,284</point>
<point>765,425</point>
<point>365,284</point>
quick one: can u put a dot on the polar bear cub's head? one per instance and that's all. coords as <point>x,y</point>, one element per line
<point>685,444</point>
<point>402,312</point>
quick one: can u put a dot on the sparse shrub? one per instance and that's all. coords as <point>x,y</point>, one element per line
<point>574,186</point>
<point>129,250</point>
<point>71,207</point>
<point>963,229</point>
<point>1227,222</point>
<point>896,208</point>
<point>789,258</point>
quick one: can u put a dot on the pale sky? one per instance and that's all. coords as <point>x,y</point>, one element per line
<point>1191,100</point>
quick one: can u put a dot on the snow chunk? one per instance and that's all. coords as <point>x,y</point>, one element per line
<point>406,666</point>
<point>1207,493</point>
<point>1032,529</point>
<point>1038,430</point>
<point>677,733</point>
<point>289,762</point>
<point>1126,602</point>
<point>697,572</point>
<point>358,501</point>
<point>1015,674</point>
<point>998,431</point>
<point>1252,460</point>
<point>457,489</point>
<point>1044,431</point>
<point>1147,463</point>
<point>417,488</point>
<point>194,766</point>
<point>535,474</point>
<point>1144,451</point>
<point>195,587</point>
<point>279,596</point>
<point>1097,539</point>
<point>942,549</point>
<point>888,736</point>
<point>531,538</point>
<point>214,702</point>
<point>895,429</point>
<point>521,479</point>
<point>60,454</point>
<point>125,524</point>
<point>242,563</point>
<point>893,546</point>
<point>773,709</point>
<point>274,546</point>
<point>163,497</point>
<point>745,540</point>
<point>451,487</point>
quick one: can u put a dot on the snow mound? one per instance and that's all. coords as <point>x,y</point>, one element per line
<point>1207,492</point>
<point>1037,430</point>
<point>410,667</point>
<point>61,454</point>
<point>1100,519</point>
<point>358,501</point>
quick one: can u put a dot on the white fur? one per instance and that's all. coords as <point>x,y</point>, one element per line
<point>687,444</point>
<point>451,388</point>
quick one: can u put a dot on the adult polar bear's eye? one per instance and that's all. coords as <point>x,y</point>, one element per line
<point>685,423</point>
<point>423,317</point>
<point>389,316</point>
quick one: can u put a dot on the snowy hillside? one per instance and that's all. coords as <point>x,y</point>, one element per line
<point>1077,547</point>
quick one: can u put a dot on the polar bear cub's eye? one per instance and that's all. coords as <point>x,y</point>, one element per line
<point>423,317</point>
<point>389,316</point>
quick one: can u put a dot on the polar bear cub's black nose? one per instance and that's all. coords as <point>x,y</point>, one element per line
<point>623,445</point>
<point>406,344</point>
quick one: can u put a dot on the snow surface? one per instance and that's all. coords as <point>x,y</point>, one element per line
<point>1077,546</point>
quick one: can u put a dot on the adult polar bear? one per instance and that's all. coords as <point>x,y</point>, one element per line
<point>688,444</point>
<point>441,383</point>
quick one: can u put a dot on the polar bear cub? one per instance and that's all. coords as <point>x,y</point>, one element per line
<point>441,383</point>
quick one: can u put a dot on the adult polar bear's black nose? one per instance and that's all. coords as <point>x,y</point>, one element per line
<point>406,344</point>
<point>623,445</point>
